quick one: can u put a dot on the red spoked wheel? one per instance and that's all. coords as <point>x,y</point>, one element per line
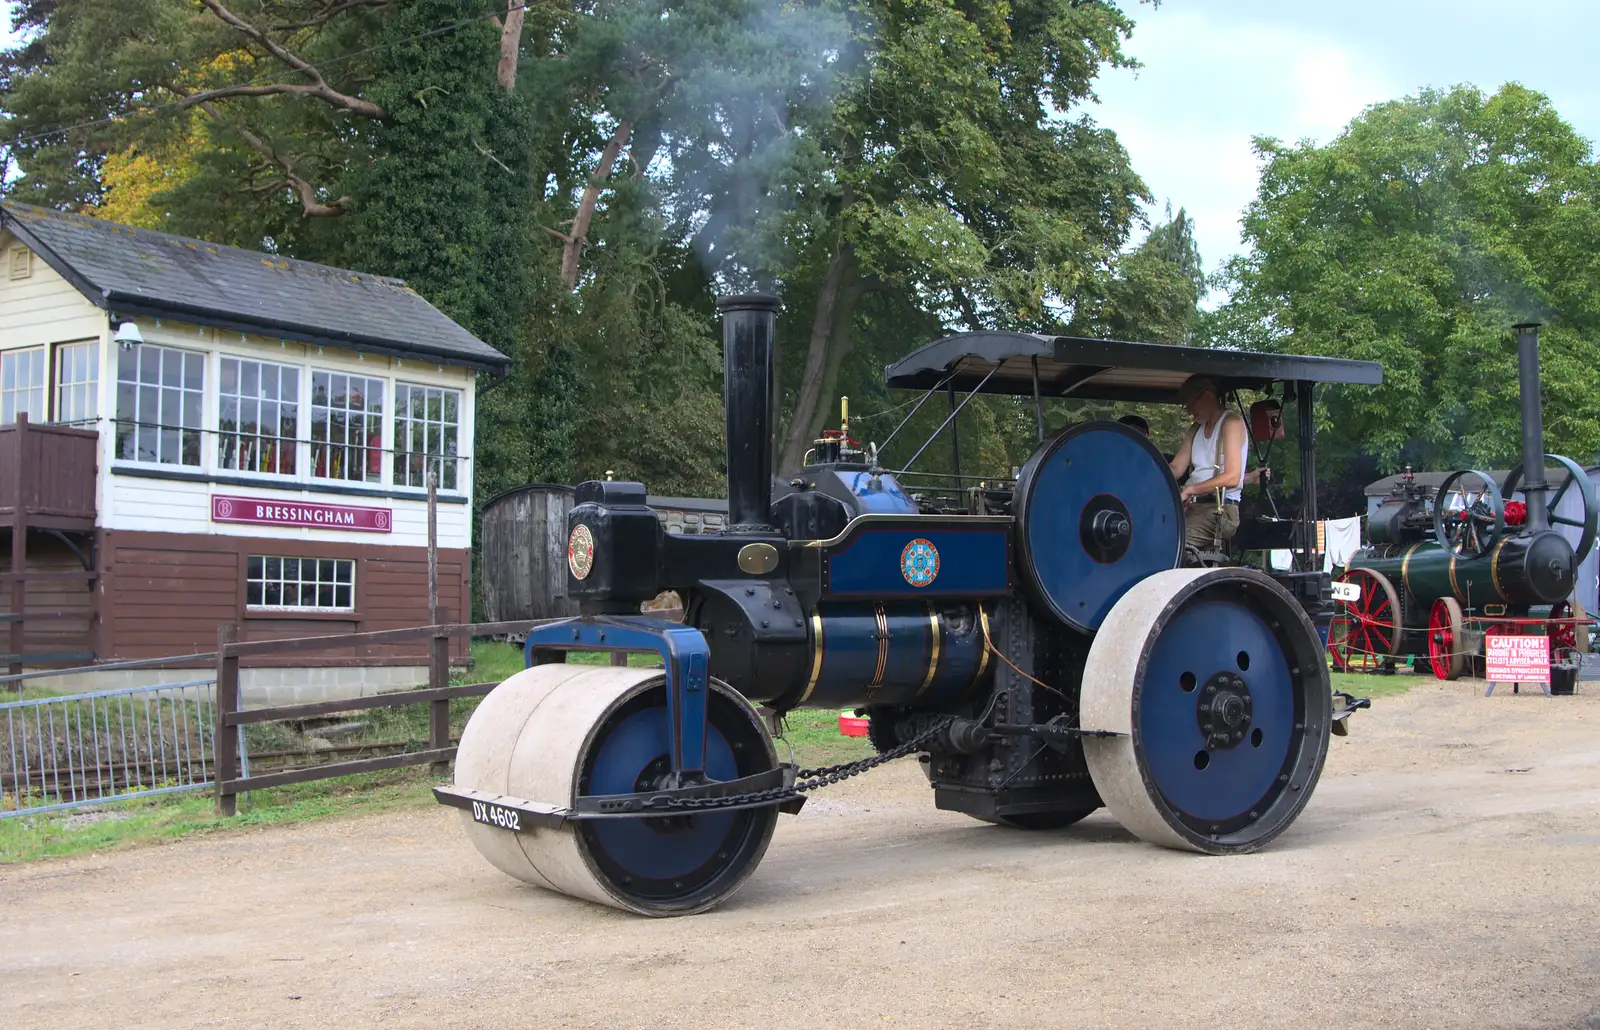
<point>1568,628</point>
<point>1444,639</point>
<point>1365,631</point>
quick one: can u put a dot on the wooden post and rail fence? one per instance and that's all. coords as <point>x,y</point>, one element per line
<point>230,778</point>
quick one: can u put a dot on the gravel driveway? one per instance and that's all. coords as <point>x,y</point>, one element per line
<point>1446,874</point>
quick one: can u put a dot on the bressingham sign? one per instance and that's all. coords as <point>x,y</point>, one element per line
<point>270,512</point>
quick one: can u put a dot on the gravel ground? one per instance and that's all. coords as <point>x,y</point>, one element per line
<point>1445,874</point>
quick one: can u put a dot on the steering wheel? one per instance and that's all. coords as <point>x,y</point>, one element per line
<point>1591,509</point>
<point>1474,529</point>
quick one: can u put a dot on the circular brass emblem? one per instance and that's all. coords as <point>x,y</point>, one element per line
<point>580,551</point>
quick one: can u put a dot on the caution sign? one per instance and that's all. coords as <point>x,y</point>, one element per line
<point>1517,659</point>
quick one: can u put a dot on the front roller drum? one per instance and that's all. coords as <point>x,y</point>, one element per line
<point>1212,697</point>
<point>553,733</point>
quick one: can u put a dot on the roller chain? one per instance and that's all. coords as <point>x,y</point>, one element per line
<point>808,779</point>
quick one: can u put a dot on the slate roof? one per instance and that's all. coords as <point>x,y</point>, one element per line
<point>133,271</point>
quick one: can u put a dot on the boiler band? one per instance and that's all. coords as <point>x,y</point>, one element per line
<point>894,652</point>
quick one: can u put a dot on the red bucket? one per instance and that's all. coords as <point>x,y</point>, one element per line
<point>852,725</point>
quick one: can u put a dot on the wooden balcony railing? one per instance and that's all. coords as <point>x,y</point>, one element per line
<point>49,471</point>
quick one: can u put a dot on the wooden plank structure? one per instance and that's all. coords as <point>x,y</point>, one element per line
<point>47,483</point>
<point>523,537</point>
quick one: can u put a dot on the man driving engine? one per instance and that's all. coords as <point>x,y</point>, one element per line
<point>1215,448</point>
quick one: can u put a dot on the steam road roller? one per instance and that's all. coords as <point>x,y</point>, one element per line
<point>1042,642</point>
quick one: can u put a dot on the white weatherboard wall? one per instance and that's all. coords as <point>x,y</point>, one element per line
<point>183,506</point>
<point>177,506</point>
<point>43,307</point>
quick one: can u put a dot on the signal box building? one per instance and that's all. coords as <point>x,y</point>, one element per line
<point>254,450</point>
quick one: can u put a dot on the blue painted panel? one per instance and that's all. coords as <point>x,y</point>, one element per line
<point>878,495</point>
<point>625,752</point>
<point>850,654</point>
<point>971,563</point>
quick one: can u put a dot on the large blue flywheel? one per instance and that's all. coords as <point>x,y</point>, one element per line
<point>1082,545</point>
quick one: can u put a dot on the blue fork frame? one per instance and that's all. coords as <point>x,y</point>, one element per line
<point>684,655</point>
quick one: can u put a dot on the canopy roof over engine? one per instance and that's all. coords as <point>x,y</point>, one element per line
<point>1112,370</point>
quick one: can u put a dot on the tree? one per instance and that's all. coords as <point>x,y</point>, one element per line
<point>1417,238</point>
<point>448,208</point>
<point>959,189</point>
<point>576,184</point>
<point>1173,241</point>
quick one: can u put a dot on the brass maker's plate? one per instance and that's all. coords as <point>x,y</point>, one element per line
<point>758,559</point>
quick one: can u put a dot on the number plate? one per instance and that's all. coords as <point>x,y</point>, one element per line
<point>491,814</point>
<point>1347,591</point>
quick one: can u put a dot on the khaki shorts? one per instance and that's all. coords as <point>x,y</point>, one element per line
<point>1200,524</point>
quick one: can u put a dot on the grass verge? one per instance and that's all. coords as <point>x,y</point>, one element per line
<point>127,823</point>
<point>1375,686</point>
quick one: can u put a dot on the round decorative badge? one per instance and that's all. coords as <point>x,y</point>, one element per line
<point>580,551</point>
<point>919,562</point>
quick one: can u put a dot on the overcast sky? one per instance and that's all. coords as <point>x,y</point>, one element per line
<point>1218,72</point>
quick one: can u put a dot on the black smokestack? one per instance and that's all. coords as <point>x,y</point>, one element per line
<point>1532,425</point>
<point>748,325</point>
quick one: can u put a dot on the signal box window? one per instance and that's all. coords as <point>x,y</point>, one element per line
<point>259,416</point>
<point>346,427</point>
<point>78,382</point>
<point>22,385</point>
<point>427,424</point>
<point>159,394</point>
<point>300,584</point>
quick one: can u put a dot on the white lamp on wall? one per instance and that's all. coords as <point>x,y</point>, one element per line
<point>128,335</point>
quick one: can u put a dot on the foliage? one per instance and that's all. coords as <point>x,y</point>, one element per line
<point>1417,238</point>
<point>965,188</point>
<point>893,170</point>
<point>136,176</point>
<point>446,209</point>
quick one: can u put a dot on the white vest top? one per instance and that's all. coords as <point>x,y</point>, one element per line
<point>1203,455</point>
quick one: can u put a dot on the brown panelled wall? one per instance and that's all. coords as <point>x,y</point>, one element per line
<point>166,593</point>
<point>73,601</point>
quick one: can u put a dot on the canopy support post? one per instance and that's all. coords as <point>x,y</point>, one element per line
<point>1038,404</point>
<point>964,402</point>
<point>955,433</point>
<point>912,413</point>
<point>1306,414</point>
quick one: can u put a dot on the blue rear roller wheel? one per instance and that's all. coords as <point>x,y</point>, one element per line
<point>1215,684</point>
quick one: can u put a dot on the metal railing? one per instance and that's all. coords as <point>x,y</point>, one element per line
<point>84,749</point>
